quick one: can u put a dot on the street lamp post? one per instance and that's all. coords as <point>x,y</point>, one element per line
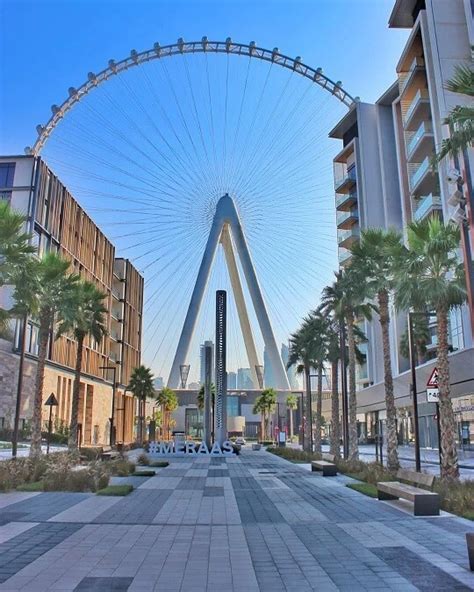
<point>112,414</point>
<point>345,410</point>
<point>51,402</point>
<point>414,390</point>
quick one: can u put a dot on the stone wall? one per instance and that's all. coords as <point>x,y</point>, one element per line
<point>95,408</point>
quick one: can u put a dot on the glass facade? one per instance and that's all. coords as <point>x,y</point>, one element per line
<point>7,173</point>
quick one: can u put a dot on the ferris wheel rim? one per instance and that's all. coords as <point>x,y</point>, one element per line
<point>181,47</point>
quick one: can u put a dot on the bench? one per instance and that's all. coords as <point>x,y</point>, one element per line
<point>109,454</point>
<point>326,465</point>
<point>426,503</point>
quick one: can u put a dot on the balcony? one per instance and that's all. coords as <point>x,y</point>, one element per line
<point>419,110</point>
<point>346,238</point>
<point>347,219</point>
<point>415,77</point>
<point>344,257</point>
<point>426,206</point>
<point>422,179</point>
<point>421,143</point>
<point>345,182</point>
<point>345,201</point>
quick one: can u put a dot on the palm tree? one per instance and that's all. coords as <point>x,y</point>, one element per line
<point>431,278</point>
<point>318,328</point>
<point>141,385</point>
<point>333,356</point>
<point>15,250</point>
<point>301,355</point>
<point>461,118</point>
<point>421,339</point>
<point>374,258</point>
<point>84,315</point>
<point>200,397</point>
<point>345,300</point>
<point>265,404</point>
<point>292,404</point>
<point>169,402</point>
<point>43,290</point>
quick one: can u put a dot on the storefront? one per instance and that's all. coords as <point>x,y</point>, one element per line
<point>464,413</point>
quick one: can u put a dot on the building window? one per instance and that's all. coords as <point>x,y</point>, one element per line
<point>7,172</point>
<point>232,406</point>
<point>455,322</point>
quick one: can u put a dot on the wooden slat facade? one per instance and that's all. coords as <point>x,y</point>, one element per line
<point>74,235</point>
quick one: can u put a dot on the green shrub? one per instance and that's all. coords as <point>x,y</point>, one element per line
<point>15,472</point>
<point>116,490</point>
<point>267,442</point>
<point>121,467</point>
<point>63,476</point>
<point>143,459</point>
<point>33,486</point>
<point>159,463</point>
<point>365,488</point>
<point>369,472</point>
<point>293,454</point>
<point>144,474</point>
<point>91,453</point>
<point>457,496</point>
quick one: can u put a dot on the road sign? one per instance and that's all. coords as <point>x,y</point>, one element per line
<point>51,401</point>
<point>432,395</point>
<point>432,392</point>
<point>433,379</point>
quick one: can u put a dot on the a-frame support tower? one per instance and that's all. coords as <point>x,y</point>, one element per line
<point>227,229</point>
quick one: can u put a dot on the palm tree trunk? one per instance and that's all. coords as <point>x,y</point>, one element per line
<point>291,424</point>
<point>353,445</point>
<point>309,414</point>
<point>72,442</point>
<point>393,463</point>
<point>449,456</point>
<point>319,408</point>
<point>335,423</point>
<point>43,336</point>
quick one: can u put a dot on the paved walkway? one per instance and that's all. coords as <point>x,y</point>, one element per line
<point>244,524</point>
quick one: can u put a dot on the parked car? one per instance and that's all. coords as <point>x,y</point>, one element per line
<point>240,441</point>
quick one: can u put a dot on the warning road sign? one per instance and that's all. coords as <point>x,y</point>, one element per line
<point>433,380</point>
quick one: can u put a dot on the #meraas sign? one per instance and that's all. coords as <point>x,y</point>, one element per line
<point>189,448</point>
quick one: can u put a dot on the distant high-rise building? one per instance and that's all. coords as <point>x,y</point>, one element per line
<point>268,377</point>
<point>291,371</point>
<point>231,380</point>
<point>244,379</point>
<point>202,370</point>
<point>158,383</point>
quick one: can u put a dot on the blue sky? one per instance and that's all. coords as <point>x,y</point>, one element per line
<point>147,190</point>
<point>48,46</point>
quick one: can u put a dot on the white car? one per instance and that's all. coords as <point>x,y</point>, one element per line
<point>240,441</point>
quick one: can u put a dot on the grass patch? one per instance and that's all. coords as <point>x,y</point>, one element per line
<point>117,490</point>
<point>33,486</point>
<point>159,463</point>
<point>365,488</point>
<point>143,474</point>
<point>469,515</point>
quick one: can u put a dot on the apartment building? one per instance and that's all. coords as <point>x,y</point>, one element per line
<point>58,223</point>
<point>383,178</point>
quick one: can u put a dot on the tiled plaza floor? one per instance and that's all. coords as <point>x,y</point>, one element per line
<point>244,524</point>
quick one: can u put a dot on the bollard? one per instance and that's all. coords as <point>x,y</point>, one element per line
<point>470,548</point>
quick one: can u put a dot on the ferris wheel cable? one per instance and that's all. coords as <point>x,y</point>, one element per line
<point>183,119</point>
<point>101,143</point>
<point>281,133</point>
<point>187,157</point>
<point>239,119</point>
<point>254,117</point>
<point>185,270</point>
<point>289,155</point>
<point>151,119</point>
<point>197,118</point>
<point>224,130</point>
<point>263,132</point>
<point>211,113</point>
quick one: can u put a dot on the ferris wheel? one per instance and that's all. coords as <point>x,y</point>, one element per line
<point>152,142</point>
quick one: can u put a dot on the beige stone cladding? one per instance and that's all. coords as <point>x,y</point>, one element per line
<point>94,404</point>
